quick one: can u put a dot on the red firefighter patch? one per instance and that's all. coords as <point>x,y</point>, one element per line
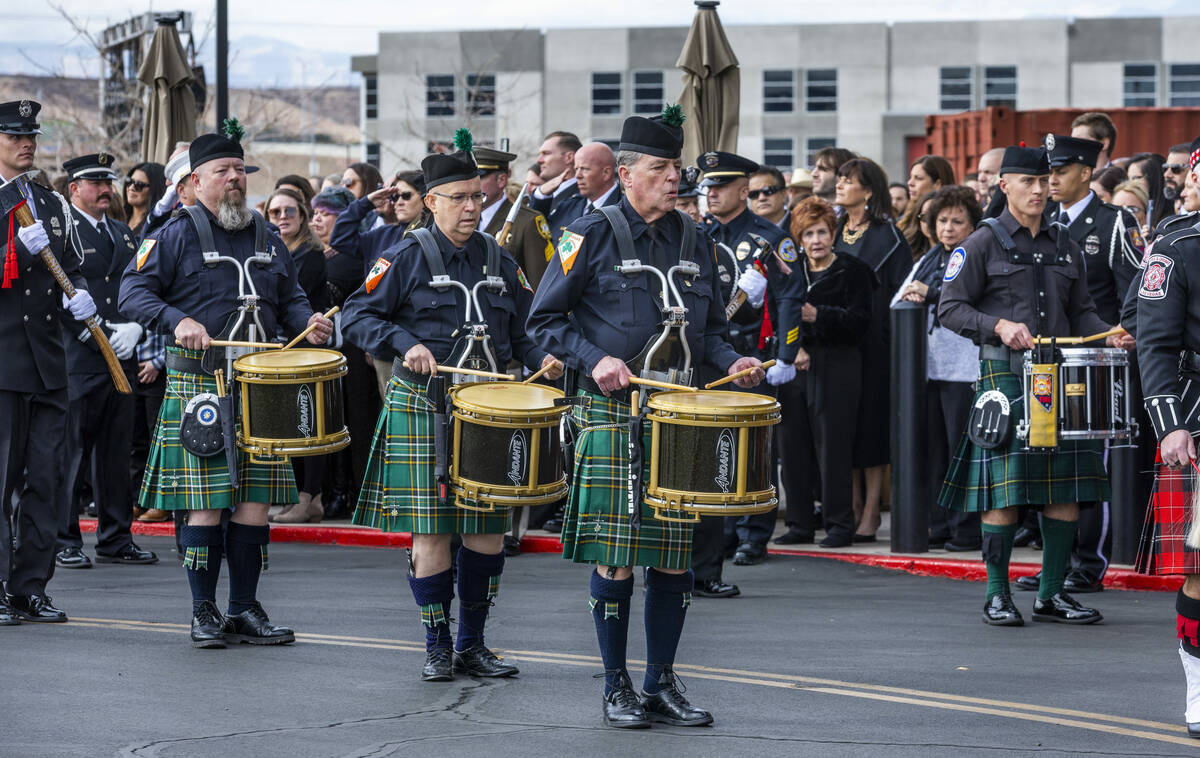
<point>1043,389</point>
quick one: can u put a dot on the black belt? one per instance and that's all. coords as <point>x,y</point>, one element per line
<point>586,383</point>
<point>184,364</point>
<point>1189,361</point>
<point>994,353</point>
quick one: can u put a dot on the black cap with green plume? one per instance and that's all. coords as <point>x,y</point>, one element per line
<point>443,168</point>
<point>660,136</point>
<point>225,144</point>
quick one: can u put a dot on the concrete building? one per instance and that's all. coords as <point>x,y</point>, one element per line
<point>867,87</point>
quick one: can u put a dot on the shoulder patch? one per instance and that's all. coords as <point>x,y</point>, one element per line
<point>1156,277</point>
<point>375,275</point>
<point>568,247</point>
<point>542,227</point>
<point>1136,239</point>
<point>955,264</point>
<point>521,280</point>
<point>143,253</point>
<point>787,250</point>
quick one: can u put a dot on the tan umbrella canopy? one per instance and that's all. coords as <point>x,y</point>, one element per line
<point>171,111</point>
<point>711,86</point>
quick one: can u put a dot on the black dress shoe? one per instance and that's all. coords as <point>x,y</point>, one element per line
<point>836,540</point>
<point>862,539</point>
<point>622,707</point>
<point>254,628</point>
<point>1194,729</point>
<point>1000,611</point>
<point>72,558</point>
<point>130,554</point>
<point>715,588</point>
<point>477,660</point>
<point>1023,536</point>
<point>938,542</point>
<point>439,665</point>
<point>962,547</point>
<point>1081,584</point>
<point>1064,609</point>
<point>36,608</point>
<point>555,522</point>
<point>208,626</point>
<point>8,617</point>
<point>512,546</point>
<point>794,536</point>
<point>749,555</point>
<point>1030,583</point>
<point>669,706</point>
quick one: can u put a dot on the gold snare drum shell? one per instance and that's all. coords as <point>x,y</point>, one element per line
<point>282,368</point>
<point>285,366</point>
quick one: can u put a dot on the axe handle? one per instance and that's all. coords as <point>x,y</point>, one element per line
<point>735,302</point>
<point>25,218</point>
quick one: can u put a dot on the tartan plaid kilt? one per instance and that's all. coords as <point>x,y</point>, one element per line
<point>178,480</point>
<point>398,492</point>
<point>596,526</point>
<point>1168,519</point>
<point>985,480</point>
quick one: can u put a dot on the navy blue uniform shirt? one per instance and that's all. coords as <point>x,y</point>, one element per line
<point>356,249</point>
<point>735,235</point>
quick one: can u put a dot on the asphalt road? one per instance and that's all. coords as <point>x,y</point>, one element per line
<point>816,657</point>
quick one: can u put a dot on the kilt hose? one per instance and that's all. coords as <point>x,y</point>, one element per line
<point>399,493</point>
<point>596,526</point>
<point>178,480</point>
<point>1006,477</point>
<point>1168,519</point>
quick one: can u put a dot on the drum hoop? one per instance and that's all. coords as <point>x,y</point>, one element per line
<point>331,362</point>
<point>466,405</point>
<point>686,502</point>
<point>271,446</point>
<point>504,419</point>
<point>675,418</point>
<point>666,401</point>
<point>293,376</point>
<point>497,494</point>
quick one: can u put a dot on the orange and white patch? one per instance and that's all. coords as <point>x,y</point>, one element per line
<point>376,273</point>
<point>568,247</point>
<point>143,253</point>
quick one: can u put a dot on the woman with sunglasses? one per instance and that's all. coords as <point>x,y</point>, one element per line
<point>1131,195</point>
<point>147,183</point>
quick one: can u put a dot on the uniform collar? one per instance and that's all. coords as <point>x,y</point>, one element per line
<point>1076,210</point>
<point>447,248</point>
<point>600,201</point>
<point>489,213</point>
<point>1012,226</point>
<point>91,219</point>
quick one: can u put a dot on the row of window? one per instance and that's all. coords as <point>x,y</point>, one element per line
<point>1141,84</point>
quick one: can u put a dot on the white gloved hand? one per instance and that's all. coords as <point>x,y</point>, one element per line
<point>34,238</point>
<point>166,202</point>
<point>82,307</point>
<point>780,373</point>
<point>124,339</point>
<point>754,285</point>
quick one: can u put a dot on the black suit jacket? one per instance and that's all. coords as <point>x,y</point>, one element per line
<point>101,271</point>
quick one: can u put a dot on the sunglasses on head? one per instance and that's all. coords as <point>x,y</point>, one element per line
<point>764,192</point>
<point>139,186</point>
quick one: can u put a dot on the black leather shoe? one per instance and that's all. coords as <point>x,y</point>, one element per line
<point>794,536</point>
<point>962,547</point>
<point>622,707</point>
<point>1000,611</point>
<point>1030,583</point>
<point>130,554</point>
<point>36,608</point>
<point>862,539</point>
<point>8,617</point>
<point>749,555</point>
<point>208,627</point>
<point>715,588</point>
<point>1194,729</point>
<point>938,542</point>
<point>253,627</point>
<point>669,706</point>
<point>1081,584</point>
<point>1024,536</point>
<point>836,540</point>
<point>72,558</point>
<point>555,522</point>
<point>439,665</point>
<point>477,660</point>
<point>1064,609</point>
<point>512,546</point>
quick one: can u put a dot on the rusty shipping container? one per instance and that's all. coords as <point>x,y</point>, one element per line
<point>963,137</point>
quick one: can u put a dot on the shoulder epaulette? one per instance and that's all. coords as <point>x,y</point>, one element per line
<point>1178,235</point>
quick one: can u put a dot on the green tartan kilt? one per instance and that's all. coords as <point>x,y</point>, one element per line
<point>178,480</point>
<point>399,493</point>
<point>985,480</point>
<point>596,526</point>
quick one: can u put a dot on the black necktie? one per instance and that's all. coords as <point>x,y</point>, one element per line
<point>658,257</point>
<point>106,243</point>
<point>1064,218</point>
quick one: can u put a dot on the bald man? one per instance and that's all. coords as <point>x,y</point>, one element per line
<point>596,174</point>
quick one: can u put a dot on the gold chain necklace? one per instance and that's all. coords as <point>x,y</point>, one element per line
<point>850,237</point>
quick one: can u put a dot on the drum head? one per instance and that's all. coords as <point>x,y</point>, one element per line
<point>289,361</point>
<point>716,401</point>
<point>505,396</point>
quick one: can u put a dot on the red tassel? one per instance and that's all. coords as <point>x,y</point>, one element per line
<point>10,260</point>
<point>765,332</point>
<point>1188,630</point>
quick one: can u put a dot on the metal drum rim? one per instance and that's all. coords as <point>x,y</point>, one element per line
<point>466,404</point>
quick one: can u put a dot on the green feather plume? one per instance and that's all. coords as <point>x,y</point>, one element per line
<point>463,140</point>
<point>672,115</point>
<point>233,129</point>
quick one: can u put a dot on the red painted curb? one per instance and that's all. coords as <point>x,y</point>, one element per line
<point>967,570</point>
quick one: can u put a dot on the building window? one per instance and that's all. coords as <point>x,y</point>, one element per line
<point>820,90</point>
<point>606,93</point>
<point>957,92</point>
<point>814,145</point>
<point>999,86</point>
<point>779,91</point>
<point>371,95</point>
<point>1141,85</point>
<point>779,152</point>
<point>439,95</point>
<point>1183,84</point>
<point>371,154</point>
<point>481,94</point>
<point>648,92</point>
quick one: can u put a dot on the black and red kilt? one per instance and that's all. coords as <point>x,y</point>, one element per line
<point>1168,519</point>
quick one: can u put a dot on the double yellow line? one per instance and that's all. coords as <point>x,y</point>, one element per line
<point>1096,722</point>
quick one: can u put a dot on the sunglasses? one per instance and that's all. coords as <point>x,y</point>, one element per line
<point>288,212</point>
<point>405,196</point>
<point>1175,168</point>
<point>764,192</point>
<point>1135,209</point>
<point>139,186</point>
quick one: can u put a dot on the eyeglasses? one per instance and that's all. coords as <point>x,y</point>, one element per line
<point>289,211</point>
<point>1175,168</point>
<point>139,186</point>
<point>1136,210</point>
<point>349,182</point>
<point>462,197</point>
<point>764,192</point>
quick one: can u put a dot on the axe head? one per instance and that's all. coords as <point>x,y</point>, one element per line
<point>760,242</point>
<point>11,195</point>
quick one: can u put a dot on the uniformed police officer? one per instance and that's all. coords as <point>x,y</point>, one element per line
<point>1006,283</point>
<point>688,199</point>
<point>33,376</point>
<point>101,417</point>
<point>599,319</point>
<point>398,308</point>
<point>170,287</point>
<point>529,239</point>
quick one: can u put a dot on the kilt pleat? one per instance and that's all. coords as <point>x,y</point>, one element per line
<point>399,493</point>
<point>1006,477</point>
<point>1163,549</point>
<point>178,480</point>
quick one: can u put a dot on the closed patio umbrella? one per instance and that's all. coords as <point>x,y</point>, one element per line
<point>171,110</point>
<point>711,86</point>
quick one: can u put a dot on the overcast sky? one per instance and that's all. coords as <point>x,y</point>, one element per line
<point>330,28</point>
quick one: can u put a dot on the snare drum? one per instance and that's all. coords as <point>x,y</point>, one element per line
<point>1090,395</point>
<point>291,402</point>
<point>506,445</point>
<point>710,453</point>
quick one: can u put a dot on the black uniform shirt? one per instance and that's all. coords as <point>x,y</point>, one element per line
<point>104,262</point>
<point>735,235</point>
<point>1112,251</point>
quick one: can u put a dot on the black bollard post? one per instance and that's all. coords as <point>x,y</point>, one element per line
<point>910,485</point>
<point>1123,508</point>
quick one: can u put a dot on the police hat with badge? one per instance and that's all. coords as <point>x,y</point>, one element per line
<point>97,167</point>
<point>722,168</point>
<point>1063,150</point>
<point>488,160</point>
<point>20,117</point>
<point>689,182</point>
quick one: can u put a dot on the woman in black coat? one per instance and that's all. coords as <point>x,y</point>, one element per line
<point>866,233</point>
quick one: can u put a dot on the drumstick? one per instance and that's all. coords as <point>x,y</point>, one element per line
<point>739,375</point>
<point>1079,340</point>
<point>238,343</point>
<point>466,371</point>
<point>538,374</point>
<point>658,384</point>
<point>328,314</point>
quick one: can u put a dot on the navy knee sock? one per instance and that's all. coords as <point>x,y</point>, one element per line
<point>434,595</point>
<point>667,600</point>
<point>202,550</point>
<point>246,554</point>
<point>610,610</point>
<point>478,583</point>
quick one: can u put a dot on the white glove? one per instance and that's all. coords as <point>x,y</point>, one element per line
<point>166,202</point>
<point>754,285</point>
<point>82,307</point>
<point>124,339</point>
<point>780,373</point>
<point>34,238</point>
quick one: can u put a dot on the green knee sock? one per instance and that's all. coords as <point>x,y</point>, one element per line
<point>997,550</point>
<point>1057,537</point>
